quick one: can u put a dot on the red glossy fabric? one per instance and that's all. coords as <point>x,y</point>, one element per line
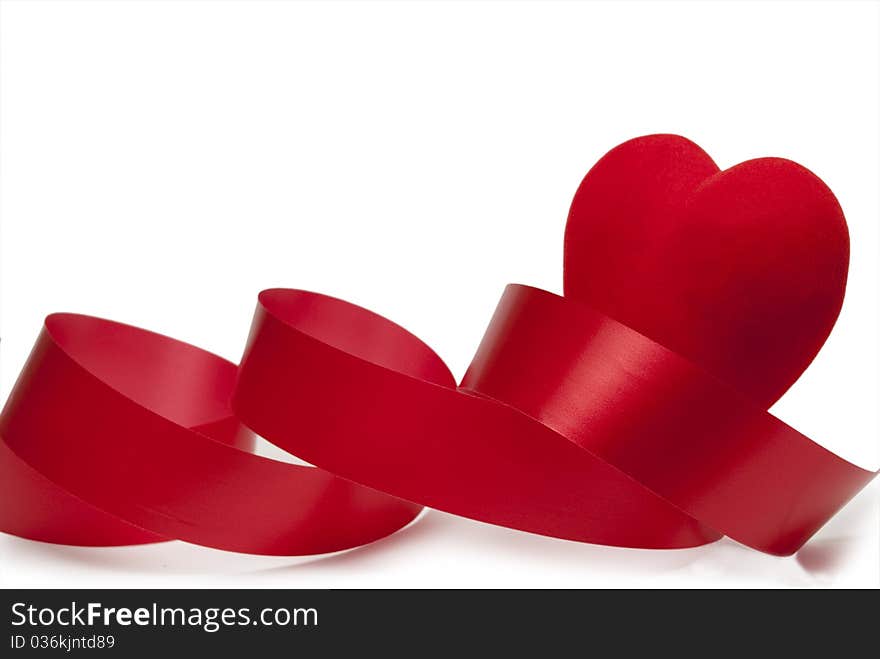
<point>310,383</point>
<point>631,412</point>
<point>136,425</point>
<point>658,417</point>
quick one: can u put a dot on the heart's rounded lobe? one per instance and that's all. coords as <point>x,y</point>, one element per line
<point>743,271</point>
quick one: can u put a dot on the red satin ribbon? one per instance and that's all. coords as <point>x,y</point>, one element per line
<point>568,423</point>
<point>134,432</point>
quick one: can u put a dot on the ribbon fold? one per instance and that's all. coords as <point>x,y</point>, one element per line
<point>601,416</point>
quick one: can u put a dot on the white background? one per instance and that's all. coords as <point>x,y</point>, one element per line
<point>162,162</point>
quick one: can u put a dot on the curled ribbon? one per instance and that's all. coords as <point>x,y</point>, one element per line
<point>631,412</point>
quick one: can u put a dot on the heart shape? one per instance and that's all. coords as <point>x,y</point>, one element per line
<point>743,270</point>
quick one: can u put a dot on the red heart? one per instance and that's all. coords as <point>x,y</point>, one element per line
<point>743,271</point>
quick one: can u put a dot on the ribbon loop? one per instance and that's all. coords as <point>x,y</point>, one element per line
<point>631,412</point>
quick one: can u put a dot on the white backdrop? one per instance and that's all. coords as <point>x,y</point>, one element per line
<point>164,161</point>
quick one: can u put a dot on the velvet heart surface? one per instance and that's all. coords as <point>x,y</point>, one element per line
<point>629,412</point>
<point>742,271</point>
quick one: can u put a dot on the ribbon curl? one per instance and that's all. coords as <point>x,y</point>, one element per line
<point>631,412</point>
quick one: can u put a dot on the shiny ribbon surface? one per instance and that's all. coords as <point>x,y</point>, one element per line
<point>630,412</point>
